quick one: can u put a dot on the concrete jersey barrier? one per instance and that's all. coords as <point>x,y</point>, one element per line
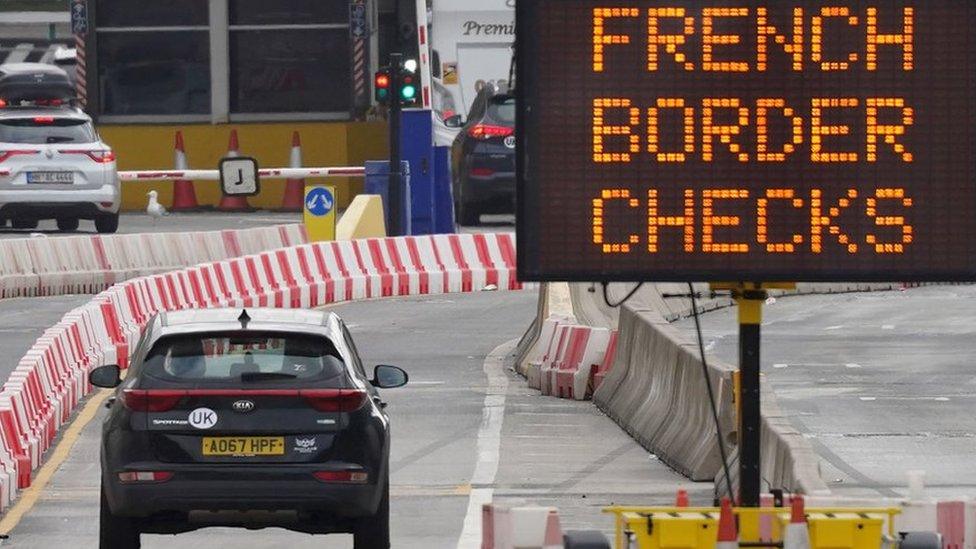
<point>51,379</point>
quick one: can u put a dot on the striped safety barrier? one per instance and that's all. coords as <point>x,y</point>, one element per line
<point>89,264</point>
<point>51,379</point>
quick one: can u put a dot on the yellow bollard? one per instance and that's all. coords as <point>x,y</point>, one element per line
<point>320,212</point>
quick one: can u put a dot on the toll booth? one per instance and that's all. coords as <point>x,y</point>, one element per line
<point>204,67</point>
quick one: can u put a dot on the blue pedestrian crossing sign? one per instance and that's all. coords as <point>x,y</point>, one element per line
<point>319,201</point>
<point>320,212</point>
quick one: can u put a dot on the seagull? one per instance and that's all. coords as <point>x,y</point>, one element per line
<point>154,209</point>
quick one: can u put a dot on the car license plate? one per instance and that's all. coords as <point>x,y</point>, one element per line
<point>243,446</point>
<point>50,177</point>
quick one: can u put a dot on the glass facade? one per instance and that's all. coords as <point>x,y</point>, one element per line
<point>277,71</point>
<point>287,56</point>
<point>159,72</point>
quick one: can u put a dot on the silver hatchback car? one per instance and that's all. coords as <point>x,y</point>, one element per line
<point>53,165</point>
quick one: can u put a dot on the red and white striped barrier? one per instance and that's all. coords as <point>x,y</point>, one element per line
<point>51,379</point>
<point>527,527</point>
<point>567,356</point>
<point>267,173</point>
<point>90,264</point>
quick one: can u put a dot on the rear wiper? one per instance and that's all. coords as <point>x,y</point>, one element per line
<point>59,139</point>
<point>266,376</point>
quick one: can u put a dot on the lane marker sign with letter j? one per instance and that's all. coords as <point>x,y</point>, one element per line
<point>239,176</point>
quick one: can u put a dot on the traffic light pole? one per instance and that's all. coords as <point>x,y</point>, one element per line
<point>395,186</point>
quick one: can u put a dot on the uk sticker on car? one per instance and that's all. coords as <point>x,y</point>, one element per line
<point>203,418</point>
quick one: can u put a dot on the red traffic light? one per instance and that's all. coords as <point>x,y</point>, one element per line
<point>382,80</point>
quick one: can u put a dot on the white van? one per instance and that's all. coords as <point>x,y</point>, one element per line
<point>471,45</point>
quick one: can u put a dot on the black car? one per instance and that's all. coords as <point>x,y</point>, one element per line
<point>254,418</point>
<point>483,158</point>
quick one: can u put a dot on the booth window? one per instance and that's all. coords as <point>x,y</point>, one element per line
<point>153,57</point>
<point>290,56</point>
<point>158,72</point>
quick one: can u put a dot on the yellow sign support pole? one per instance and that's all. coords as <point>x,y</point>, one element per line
<point>750,298</point>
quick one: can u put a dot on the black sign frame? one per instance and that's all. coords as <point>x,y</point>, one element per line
<point>529,202</point>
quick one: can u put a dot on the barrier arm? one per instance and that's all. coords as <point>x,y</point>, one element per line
<point>214,175</point>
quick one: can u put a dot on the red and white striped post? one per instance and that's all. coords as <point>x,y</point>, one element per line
<point>81,66</point>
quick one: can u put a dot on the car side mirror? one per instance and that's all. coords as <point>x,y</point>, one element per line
<point>389,377</point>
<point>108,377</point>
<point>454,121</point>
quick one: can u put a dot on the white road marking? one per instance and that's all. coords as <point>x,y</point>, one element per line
<point>838,327</point>
<point>852,365</point>
<point>488,448</point>
<point>868,399</point>
<point>887,326</point>
<point>426,382</point>
<point>780,365</point>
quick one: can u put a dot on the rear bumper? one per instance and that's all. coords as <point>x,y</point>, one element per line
<point>49,204</point>
<point>242,488</point>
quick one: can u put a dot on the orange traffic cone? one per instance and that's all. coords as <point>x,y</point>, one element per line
<point>681,498</point>
<point>728,538</point>
<point>797,536</point>
<point>294,199</point>
<point>233,203</point>
<point>554,532</point>
<point>184,196</point>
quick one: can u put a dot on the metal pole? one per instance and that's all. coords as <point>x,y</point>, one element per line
<point>750,303</point>
<point>395,190</point>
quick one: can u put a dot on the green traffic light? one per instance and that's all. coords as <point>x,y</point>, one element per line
<point>408,92</point>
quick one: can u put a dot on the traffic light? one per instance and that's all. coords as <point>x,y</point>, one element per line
<point>381,86</point>
<point>408,88</point>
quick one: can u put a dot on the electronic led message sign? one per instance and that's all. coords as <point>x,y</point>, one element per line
<point>784,140</point>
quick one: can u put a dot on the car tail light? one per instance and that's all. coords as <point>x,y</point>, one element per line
<point>102,157</point>
<point>334,400</point>
<point>44,120</point>
<point>7,154</point>
<point>2,103</point>
<point>482,172</point>
<point>351,477</point>
<point>145,476</point>
<point>487,131</point>
<point>140,400</point>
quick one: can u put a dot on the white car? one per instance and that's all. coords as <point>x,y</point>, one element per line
<point>53,165</point>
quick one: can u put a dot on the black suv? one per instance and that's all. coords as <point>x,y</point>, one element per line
<point>255,418</point>
<point>483,157</point>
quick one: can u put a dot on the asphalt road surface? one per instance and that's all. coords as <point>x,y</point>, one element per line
<point>465,430</point>
<point>881,383</point>
<point>23,320</point>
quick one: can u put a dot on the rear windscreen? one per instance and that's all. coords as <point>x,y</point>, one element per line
<point>502,109</point>
<point>252,358</point>
<point>42,130</point>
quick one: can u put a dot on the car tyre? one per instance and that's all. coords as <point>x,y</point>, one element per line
<point>468,214</point>
<point>107,223</point>
<point>374,532</point>
<point>115,532</point>
<point>23,223</point>
<point>68,224</point>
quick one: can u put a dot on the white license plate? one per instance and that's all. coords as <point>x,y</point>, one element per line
<point>50,177</point>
